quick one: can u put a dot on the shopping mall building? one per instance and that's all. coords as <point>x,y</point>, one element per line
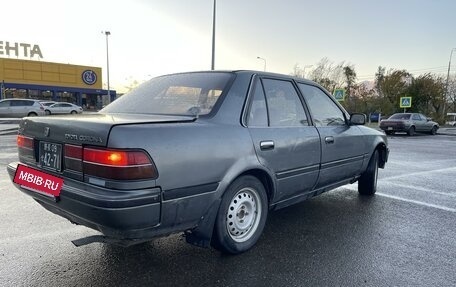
<point>81,85</point>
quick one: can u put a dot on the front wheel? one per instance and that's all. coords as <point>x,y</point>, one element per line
<point>241,216</point>
<point>73,112</point>
<point>367,183</point>
<point>433,130</point>
<point>411,131</point>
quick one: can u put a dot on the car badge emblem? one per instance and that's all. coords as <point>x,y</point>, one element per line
<point>47,130</point>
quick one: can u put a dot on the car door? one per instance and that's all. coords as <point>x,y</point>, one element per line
<point>427,125</point>
<point>19,108</point>
<point>66,108</point>
<point>419,124</point>
<point>284,141</point>
<point>5,108</point>
<point>343,147</point>
<point>57,109</point>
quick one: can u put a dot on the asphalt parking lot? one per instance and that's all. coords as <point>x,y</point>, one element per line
<point>403,236</point>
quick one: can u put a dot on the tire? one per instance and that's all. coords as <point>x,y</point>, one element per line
<point>32,114</point>
<point>433,130</point>
<point>367,183</point>
<point>73,112</point>
<point>47,112</point>
<point>411,131</point>
<point>241,217</point>
<point>389,133</point>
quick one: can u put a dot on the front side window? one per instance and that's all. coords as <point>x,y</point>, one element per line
<point>284,105</point>
<point>5,104</point>
<point>324,111</point>
<point>179,94</point>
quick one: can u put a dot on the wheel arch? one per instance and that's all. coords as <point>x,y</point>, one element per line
<point>383,154</point>
<point>264,177</point>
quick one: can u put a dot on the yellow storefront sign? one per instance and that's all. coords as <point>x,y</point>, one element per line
<point>49,74</point>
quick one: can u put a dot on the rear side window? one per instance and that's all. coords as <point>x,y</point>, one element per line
<point>178,94</point>
<point>324,111</point>
<point>284,105</point>
<point>400,117</point>
<point>258,116</point>
<point>21,103</point>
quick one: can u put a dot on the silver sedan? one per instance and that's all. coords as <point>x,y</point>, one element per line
<point>63,108</point>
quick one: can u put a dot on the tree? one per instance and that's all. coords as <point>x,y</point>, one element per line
<point>327,74</point>
<point>427,92</point>
<point>350,78</point>
<point>451,95</point>
<point>391,87</point>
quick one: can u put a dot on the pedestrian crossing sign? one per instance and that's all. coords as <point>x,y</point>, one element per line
<point>406,102</point>
<point>339,94</point>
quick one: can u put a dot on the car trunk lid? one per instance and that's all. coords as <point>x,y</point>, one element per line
<point>91,129</point>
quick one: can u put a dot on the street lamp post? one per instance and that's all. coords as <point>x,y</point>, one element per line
<point>213,37</point>
<point>447,82</point>
<point>264,60</point>
<point>107,33</point>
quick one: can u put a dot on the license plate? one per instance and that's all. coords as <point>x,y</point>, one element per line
<point>38,181</point>
<point>51,156</point>
<point>390,128</point>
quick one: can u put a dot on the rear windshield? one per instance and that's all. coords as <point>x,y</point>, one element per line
<point>400,117</point>
<point>179,94</point>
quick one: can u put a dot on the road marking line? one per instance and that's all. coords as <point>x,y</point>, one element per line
<point>417,188</point>
<point>352,187</point>
<point>420,172</point>
<point>417,202</point>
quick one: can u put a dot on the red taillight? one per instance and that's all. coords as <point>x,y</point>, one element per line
<point>118,164</point>
<point>24,142</point>
<point>115,157</point>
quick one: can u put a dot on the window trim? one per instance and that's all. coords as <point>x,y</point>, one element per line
<point>250,94</point>
<point>345,114</point>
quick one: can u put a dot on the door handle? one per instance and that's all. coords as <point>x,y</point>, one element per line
<point>329,140</point>
<point>265,145</point>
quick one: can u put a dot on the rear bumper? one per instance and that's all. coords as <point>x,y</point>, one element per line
<point>121,214</point>
<point>394,128</point>
<point>131,215</point>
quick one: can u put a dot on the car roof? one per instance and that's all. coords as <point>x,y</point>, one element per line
<point>250,72</point>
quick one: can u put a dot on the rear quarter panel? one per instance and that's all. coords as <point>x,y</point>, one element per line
<point>188,155</point>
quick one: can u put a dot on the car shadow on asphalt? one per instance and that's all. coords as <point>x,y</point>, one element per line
<point>303,237</point>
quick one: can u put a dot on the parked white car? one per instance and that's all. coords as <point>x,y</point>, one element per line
<point>18,108</point>
<point>63,108</point>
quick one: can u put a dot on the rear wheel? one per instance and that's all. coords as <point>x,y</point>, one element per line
<point>32,114</point>
<point>48,112</point>
<point>411,131</point>
<point>367,183</point>
<point>241,216</point>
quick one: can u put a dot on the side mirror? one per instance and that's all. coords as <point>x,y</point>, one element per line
<point>357,119</point>
<point>429,119</point>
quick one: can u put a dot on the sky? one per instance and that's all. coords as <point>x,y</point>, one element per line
<point>152,37</point>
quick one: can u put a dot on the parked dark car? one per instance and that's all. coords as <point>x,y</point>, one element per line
<point>207,153</point>
<point>409,123</point>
